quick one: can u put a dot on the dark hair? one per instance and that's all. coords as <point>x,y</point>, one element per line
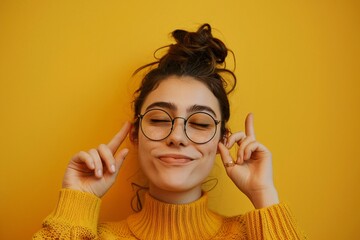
<point>195,54</point>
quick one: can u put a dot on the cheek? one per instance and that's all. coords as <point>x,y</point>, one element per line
<point>204,169</point>
<point>144,148</point>
<point>209,152</point>
<point>212,146</point>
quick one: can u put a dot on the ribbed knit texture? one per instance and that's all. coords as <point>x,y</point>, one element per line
<point>160,220</point>
<point>274,222</point>
<point>76,216</point>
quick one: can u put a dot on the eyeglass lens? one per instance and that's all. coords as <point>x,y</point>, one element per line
<point>157,124</point>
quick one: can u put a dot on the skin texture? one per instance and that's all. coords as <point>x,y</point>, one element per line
<point>175,166</point>
<point>95,171</point>
<point>252,173</point>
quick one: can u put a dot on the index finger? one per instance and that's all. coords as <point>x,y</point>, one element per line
<point>249,125</point>
<point>117,140</point>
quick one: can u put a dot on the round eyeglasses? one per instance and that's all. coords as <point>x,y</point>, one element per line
<point>157,124</point>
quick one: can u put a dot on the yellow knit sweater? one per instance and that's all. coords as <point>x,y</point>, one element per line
<point>76,217</point>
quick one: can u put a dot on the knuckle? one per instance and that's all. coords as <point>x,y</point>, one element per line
<point>82,155</point>
<point>250,138</point>
<point>102,146</point>
<point>241,149</point>
<point>93,151</point>
<point>104,152</point>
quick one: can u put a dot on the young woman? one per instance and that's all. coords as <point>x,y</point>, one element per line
<point>180,115</point>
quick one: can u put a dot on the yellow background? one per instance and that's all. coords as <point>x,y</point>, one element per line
<point>66,86</point>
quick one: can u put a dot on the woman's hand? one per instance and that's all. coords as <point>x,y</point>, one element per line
<point>251,171</point>
<point>95,171</point>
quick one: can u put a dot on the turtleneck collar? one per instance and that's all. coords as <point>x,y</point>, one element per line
<point>159,220</point>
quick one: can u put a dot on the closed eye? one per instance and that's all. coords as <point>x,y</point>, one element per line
<point>159,122</point>
<point>199,125</point>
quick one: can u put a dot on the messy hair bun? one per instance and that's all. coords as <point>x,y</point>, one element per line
<point>195,54</point>
<point>195,50</point>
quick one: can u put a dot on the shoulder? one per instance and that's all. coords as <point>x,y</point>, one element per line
<point>232,228</point>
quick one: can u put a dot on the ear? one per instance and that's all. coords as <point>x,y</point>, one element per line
<point>224,138</point>
<point>133,134</point>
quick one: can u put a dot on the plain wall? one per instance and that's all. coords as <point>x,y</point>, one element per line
<point>66,86</point>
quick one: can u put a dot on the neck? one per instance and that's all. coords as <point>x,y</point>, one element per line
<point>159,220</point>
<point>175,197</point>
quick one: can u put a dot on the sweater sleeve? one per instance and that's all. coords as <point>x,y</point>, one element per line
<point>274,222</point>
<point>75,217</point>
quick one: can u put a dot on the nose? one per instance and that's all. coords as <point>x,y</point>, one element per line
<point>177,136</point>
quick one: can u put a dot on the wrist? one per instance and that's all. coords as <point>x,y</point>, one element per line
<point>76,208</point>
<point>264,198</point>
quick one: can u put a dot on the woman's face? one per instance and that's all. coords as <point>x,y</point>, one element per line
<point>177,164</point>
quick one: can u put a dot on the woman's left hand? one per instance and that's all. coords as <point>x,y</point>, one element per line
<point>251,171</point>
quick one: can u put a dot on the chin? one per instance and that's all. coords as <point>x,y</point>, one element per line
<point>175,183</point>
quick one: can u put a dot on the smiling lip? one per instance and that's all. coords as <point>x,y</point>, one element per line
<point>175,159</point>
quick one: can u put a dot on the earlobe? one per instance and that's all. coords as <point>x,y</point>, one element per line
<point>223,140</point>
<point>225,137</point>
<point>133,134</point>
<point>217,148</point>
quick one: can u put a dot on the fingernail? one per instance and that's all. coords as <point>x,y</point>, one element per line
<point>99,172</point>
<point>240,157</point>
<point>92,166</point>
<point>126,153</point>
<point>112,168</point>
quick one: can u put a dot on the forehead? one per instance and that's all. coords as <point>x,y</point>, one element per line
<point>183,92</point>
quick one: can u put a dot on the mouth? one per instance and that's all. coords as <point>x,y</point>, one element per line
<point>175,159</point>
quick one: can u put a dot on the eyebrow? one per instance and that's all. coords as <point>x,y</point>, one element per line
<point>167,105</point>
<point>173,107</point>
<point>201,108</point>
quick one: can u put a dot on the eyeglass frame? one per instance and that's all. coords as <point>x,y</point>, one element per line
<point>141,116</point>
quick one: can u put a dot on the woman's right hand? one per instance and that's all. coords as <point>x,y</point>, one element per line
<point>95,171</point>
